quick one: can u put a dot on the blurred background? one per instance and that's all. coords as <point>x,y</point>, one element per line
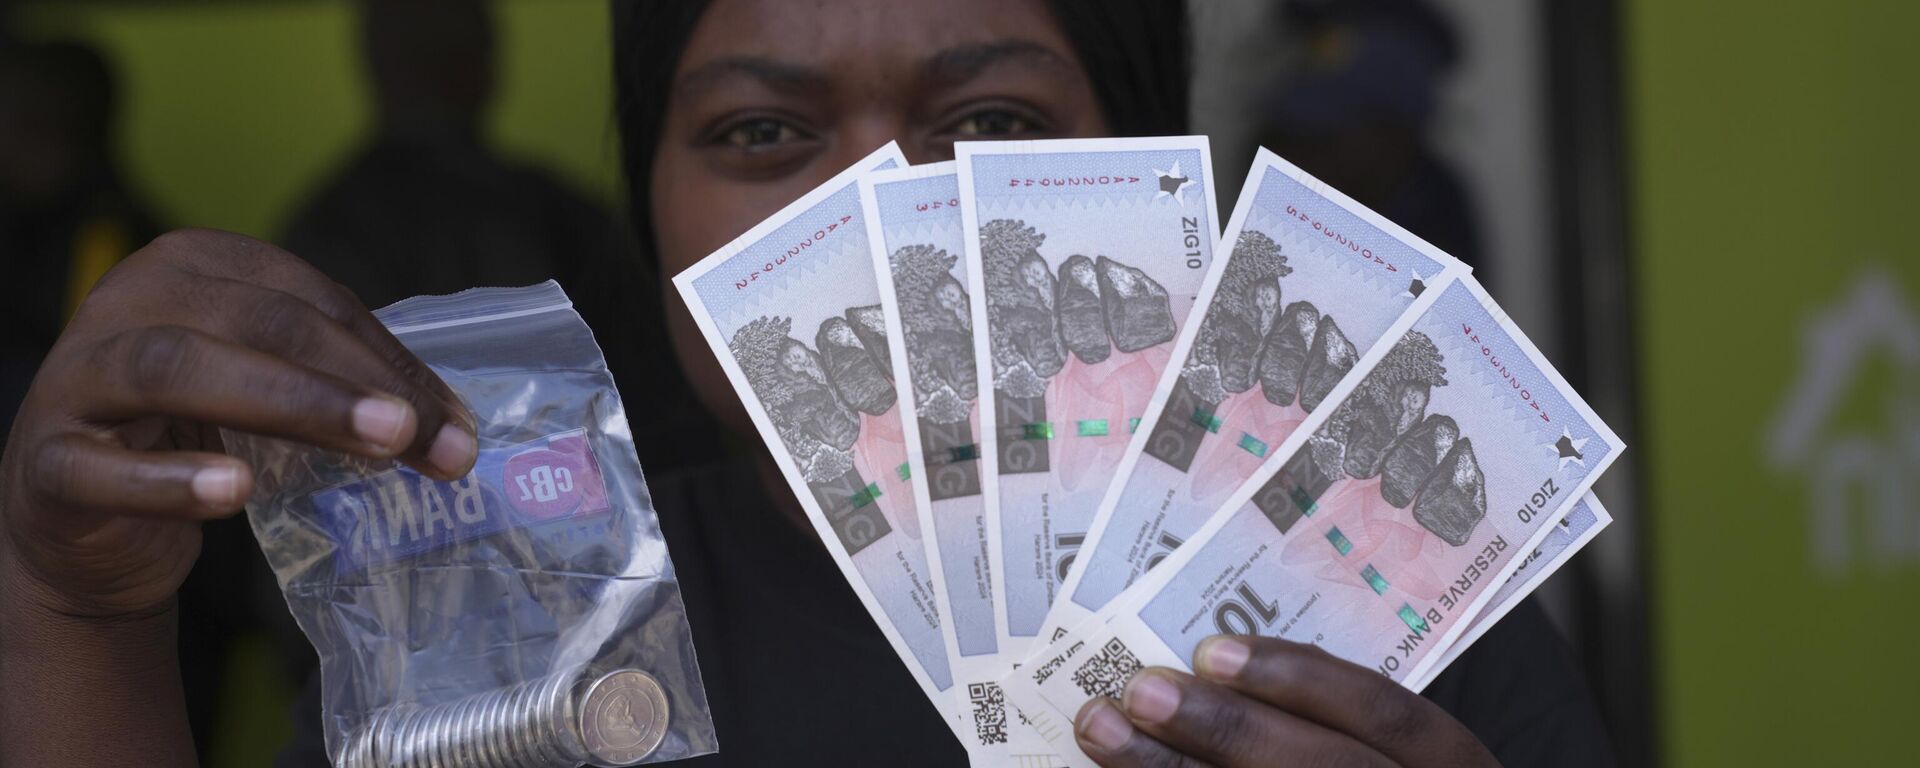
<point>1696,210</point>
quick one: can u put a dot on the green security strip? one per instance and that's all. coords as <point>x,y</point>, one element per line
<point>1093,427</point>
<point>1304,501</point>
<point>1253,445</point>
<point>1339,541</point>
<point>961,453</point>
<point>1133,425</point>
<point>866,495</point>
<point>906,471</point>
<point>1206,420</point>
<point>1413,620</point>
<point>1374,579</point>
<point>1040,431</point>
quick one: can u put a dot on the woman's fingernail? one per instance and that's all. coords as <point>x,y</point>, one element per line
<point>382,421</point>
<point>1105,728</point>
<point>217,487</point>
<point>1221,658</point>
<point>452,451</point>
<point>1152,698</point>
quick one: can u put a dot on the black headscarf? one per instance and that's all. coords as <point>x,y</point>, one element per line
<point>1135,52</point>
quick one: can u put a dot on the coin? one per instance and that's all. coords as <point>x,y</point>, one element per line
<point>461,716</point>
<point>355,753</point>
<point>519,735</point>
<point>566,723</point>
<point>624,717</point>
<point>540,721</point>
<point>493,751</point>
<point>557,721</point>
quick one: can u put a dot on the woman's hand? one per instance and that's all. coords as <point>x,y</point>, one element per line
<point>1264,702</point>
<point>115,457</point>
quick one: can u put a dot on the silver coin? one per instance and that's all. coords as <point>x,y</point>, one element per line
<point>514,722</point>
<point>566,723</point>
<point>439,735</point>
<point>380,733</point>
<point>419,738</point>
<point>366,743</point>
<point>624,717</point>
<point>487,737</point>
<point>402,750</point>
<point>483,730</point>
<point>477,732</point>
<point>503,737</point>
<point>460,736</point>
<point>553,691</point>
<point>353,750</point>
<point>527,720</point>
<point>457,733</point>
<point>527,723</point>
<point>560,689</point>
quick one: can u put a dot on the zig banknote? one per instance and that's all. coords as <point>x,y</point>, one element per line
<point>913,222</point>
<point>1396,521</point>
<point>792,310</point>
<point>1313,283</point>
<point>1583,522</point>
<point>1088,254</point>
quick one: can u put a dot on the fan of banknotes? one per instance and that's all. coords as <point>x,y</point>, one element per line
<point>1057,424</point>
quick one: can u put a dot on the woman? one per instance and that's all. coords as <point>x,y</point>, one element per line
<point>729,110</point>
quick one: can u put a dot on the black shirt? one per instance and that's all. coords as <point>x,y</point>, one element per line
<point>798,675</point>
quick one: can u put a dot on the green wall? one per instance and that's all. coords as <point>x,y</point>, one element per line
<point>1772,159</point>
<point>233,111</point>
<point>1772,195</point>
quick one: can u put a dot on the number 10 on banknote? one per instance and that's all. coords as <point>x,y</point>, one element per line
<point>1088,255</point>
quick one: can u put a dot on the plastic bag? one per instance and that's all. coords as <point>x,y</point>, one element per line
<point>524,615</point>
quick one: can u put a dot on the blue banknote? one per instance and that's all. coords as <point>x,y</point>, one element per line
<point>913,221</point>
<point>792,310</point>
<point>1380,537</point>
<point>1089,255</point>
<point>1312,283</point>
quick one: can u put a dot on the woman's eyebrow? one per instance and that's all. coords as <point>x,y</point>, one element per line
<point>775,74</point>
<point>956,65</point>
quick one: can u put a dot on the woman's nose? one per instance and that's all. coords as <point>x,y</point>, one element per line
<point>866,131</point>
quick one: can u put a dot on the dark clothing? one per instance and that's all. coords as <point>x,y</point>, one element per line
<point>409,217</point>
<point>1432,203</point>
<point>798,675</point>
<point>405,218</point>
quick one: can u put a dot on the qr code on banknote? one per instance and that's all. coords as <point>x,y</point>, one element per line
<point>989,712</point>
<point>1106,672</point>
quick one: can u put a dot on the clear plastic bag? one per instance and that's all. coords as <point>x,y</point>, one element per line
<point>500,619</point>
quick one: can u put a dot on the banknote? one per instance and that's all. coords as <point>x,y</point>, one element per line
<point>1089,254</point>
<point>1312,282</point>
<point>913,223</point>
<point>1396,521</point>
<point>1583,522</point>
<point>792,310</point>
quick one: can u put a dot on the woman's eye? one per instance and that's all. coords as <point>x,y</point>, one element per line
<point>993,122</point>
<point>759,133</point>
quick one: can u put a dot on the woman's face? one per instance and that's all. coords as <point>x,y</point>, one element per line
<point>773,97</point>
